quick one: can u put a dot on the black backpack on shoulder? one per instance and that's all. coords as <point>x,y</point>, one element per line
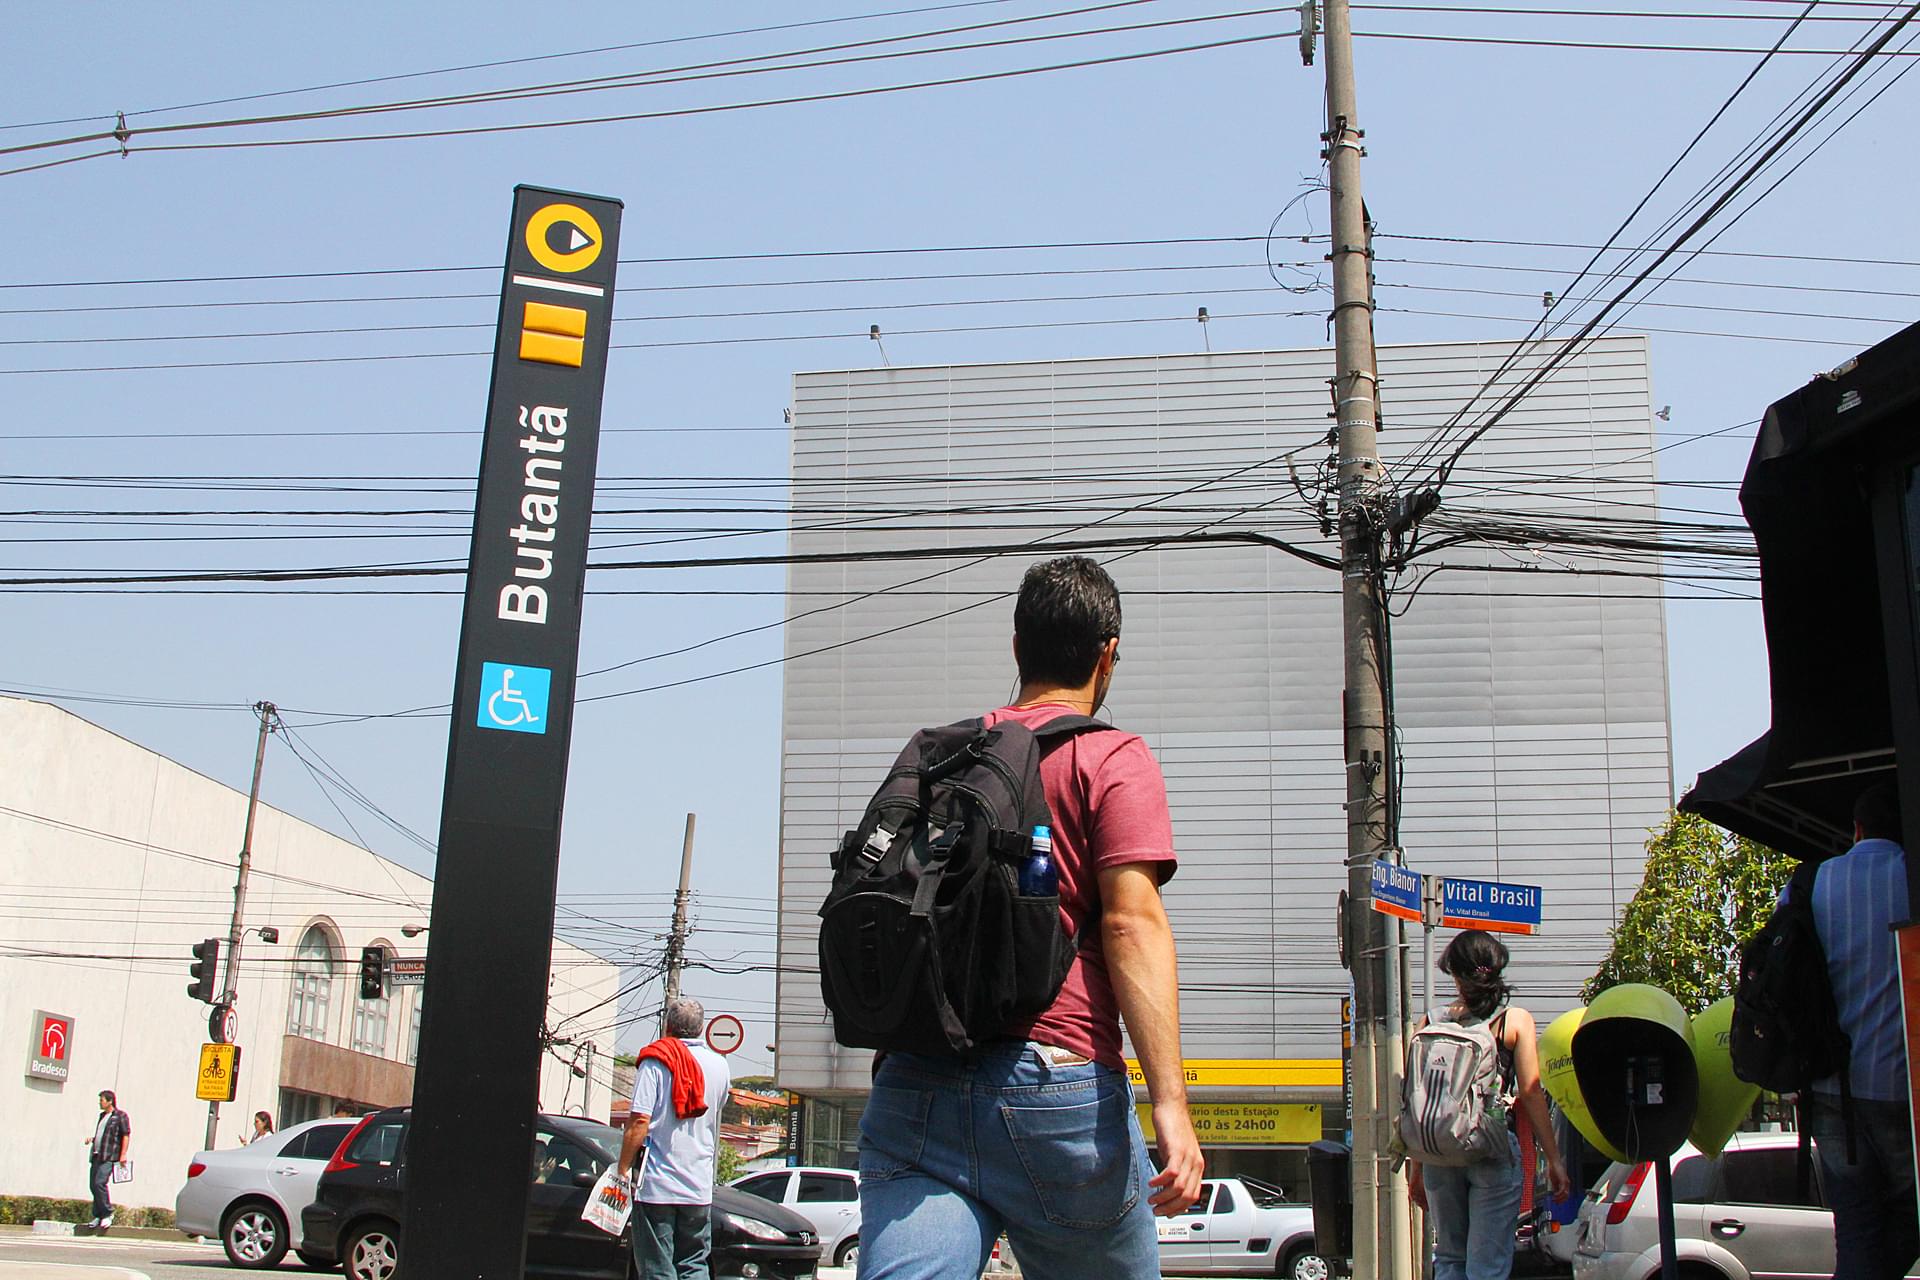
<point>1786,1028</point>
<point>926,944</point>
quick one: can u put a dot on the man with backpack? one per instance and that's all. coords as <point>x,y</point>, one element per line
<point>1857,897</point>
<point>975,1125</point>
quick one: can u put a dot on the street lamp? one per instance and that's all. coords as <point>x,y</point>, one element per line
<point>412,930</point>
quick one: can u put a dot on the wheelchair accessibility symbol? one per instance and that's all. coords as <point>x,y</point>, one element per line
<point>514,697</point>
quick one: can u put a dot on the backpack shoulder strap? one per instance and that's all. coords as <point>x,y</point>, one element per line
<point>1800,884</point>
<point>1061,726</point>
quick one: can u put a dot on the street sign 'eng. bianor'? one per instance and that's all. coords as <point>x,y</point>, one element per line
<point>1463,904</point>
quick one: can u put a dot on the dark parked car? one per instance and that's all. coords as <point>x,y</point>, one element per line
<point>355,1218</point>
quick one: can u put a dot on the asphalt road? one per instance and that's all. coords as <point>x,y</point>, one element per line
<point>28,1257</point>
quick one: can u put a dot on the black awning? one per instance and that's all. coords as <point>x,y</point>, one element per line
<point>1806,498</point>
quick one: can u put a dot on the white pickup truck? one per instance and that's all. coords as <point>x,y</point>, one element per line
<point>1241,1227</point>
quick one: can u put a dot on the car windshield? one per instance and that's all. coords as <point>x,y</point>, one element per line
<point>1264,1194</point>
<point>601,1138</point>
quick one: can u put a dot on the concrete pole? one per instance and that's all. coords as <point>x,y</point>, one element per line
<point>677,940</point>
<point>1381,1224</point>
<point>236,930</point>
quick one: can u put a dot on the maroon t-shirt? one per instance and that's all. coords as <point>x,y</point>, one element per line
<point>1109,804</point>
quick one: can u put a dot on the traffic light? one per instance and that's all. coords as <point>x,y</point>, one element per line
<point>373,972</point>
<point>206,971</point>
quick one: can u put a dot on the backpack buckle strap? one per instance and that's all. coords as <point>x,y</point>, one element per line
<point>1009,844</point>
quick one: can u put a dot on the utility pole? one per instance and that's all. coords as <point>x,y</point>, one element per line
<point>230,992</point>
<point>1381,1223</point>
<point>677,940</point>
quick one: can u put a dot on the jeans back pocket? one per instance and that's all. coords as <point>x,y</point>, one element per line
<point>1077,1149</point>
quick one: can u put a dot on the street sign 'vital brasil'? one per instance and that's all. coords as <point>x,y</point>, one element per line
<point>489,948</point>
<point>1464,904</point>
<point>1489,905</point>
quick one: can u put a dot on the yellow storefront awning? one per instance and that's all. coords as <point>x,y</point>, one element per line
<point>1270,1073</point>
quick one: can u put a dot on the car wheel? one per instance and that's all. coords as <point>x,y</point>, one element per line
<point>1305,1264</point>
<point>848,1254</point>
<point>315,1262</point>
<point>372,1252</point>
<point>1699,1271</point>
<point>254,1235</point>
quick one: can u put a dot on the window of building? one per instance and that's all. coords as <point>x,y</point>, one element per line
<point>312,985</point>
<point>413,1037</point>
<point>370,1019</point>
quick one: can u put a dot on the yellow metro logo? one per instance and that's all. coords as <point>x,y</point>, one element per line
<point>552,334</point>
<point>578,231</point>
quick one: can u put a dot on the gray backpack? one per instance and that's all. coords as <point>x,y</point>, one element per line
<point>1455,1098</point>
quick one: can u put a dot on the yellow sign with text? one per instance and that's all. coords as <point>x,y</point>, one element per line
<point>219,1072</point>
<point>1243,1124</point>
<point>1257,1073</point>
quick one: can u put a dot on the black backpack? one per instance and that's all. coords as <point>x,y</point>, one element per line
<point>926,944</point>
<point>1786,1028</point>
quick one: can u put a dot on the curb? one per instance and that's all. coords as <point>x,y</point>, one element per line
<point>50,1227</point>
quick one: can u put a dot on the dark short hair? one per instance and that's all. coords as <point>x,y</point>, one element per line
<point>108,1095</point>
<point>1877,811</point>
<point>1067,611</point>
<point>1477,960</point>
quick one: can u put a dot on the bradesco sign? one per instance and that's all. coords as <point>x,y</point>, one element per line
<point>50,1047</point>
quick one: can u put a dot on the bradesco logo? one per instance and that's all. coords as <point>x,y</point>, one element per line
<point>514,697</point>
<point>51,1047</point>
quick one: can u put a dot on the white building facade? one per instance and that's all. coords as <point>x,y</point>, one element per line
<point>114,862</point>
<point>1531,707</point>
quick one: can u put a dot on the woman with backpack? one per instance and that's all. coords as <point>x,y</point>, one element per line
<point>1473,1068</point>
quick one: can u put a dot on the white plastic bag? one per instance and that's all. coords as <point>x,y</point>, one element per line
<point>611,1203</point>
<point>123,1171</point>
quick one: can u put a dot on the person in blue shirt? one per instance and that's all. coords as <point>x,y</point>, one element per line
<point>1857,897</point>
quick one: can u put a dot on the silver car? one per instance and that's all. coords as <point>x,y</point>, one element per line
<point>1740,1217</point>
<point>250,1197</point>
<point>828,1198</point>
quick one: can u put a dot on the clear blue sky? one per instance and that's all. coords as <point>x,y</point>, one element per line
<point>1488,142</point>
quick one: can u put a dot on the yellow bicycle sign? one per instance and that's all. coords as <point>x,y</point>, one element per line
<point>219,1072</point>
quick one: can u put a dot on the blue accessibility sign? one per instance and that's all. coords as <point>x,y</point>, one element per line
<point>1489,905</point>
<point>514,697</point>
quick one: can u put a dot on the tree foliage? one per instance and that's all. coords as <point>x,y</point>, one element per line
<point>1705,892</point>
<point>726,1164</point>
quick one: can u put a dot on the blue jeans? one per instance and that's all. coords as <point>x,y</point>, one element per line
<point>954,1150</point>
<point>99,1178</point>
<point>1475,1210</point>
<point>1875,1233</point>
<point>671,1241</point>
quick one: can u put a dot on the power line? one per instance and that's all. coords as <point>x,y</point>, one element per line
<point>670,113</point>
<point>503,62</point>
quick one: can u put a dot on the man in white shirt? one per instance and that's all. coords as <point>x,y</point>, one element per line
<point>677,1119</point>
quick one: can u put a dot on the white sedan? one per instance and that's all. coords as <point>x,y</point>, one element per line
<point>250,1197</point>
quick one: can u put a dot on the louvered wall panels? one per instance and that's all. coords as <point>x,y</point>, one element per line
<point>1533,706</point>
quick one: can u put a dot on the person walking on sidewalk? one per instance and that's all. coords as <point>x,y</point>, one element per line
<point>111,1143</point>
<point>1868,1182</point>
<point>1475,1206</point>
<point>679,1087</point>
<point>1035,1133</point>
